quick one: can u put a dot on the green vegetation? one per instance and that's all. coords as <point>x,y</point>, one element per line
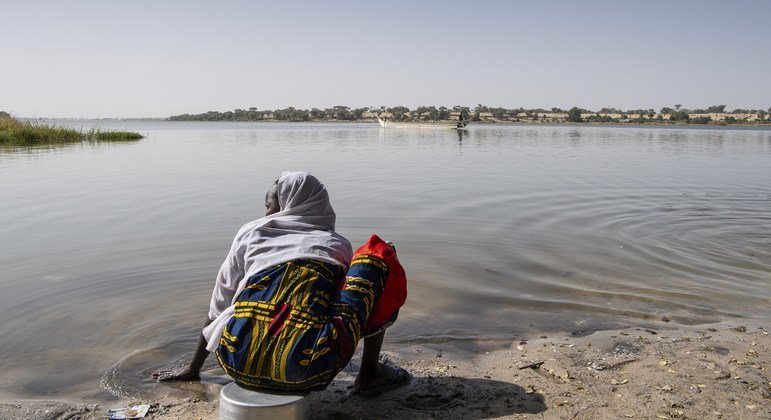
<point>115,135</point>
<point>706,119</point>
<point>16,133</point>
<point>574,115</point>
<point>715,114</point>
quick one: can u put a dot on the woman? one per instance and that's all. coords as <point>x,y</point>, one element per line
<point>283,313</point>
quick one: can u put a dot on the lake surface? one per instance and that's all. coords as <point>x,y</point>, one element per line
<point>108,252</point>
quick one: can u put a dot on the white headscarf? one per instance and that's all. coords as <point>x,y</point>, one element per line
<point>304,227</point>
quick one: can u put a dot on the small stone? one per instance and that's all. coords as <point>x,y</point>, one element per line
<point>663,363</point>
<point>665,319</point>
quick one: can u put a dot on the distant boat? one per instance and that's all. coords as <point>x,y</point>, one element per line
<point>461,123</point>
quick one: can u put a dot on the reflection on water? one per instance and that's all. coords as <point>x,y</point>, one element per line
<point>461,133</point>
<point>108,252</point>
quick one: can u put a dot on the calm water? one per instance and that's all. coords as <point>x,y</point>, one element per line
<point>108,252</point>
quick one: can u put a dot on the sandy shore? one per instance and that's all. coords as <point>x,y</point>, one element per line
<point>653,371</point>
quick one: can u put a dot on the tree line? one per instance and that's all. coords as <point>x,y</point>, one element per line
<point>676,114</point>
<point>335,113</point>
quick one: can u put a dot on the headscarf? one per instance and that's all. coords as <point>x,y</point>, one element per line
<point>304,227</point>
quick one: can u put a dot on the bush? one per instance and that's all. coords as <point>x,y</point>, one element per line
<point>600,118</point>
<point>574,115</point>
<point>679,116</point>
<point>700,120</point>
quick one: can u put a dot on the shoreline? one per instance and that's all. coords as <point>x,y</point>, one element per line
<point>647,370</point>
<point>473,123</point>
<point>512,123</point>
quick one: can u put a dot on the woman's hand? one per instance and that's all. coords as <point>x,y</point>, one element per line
<point>185,372</point>
<point>176,373</point>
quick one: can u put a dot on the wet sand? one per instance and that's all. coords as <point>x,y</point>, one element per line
<point>653,371</point>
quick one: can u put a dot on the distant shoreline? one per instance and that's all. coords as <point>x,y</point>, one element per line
<point>664,124</point>
<point>493,122</point>
<point>713,115</point>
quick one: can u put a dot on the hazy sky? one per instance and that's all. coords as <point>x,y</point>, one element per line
<point>156,58</point>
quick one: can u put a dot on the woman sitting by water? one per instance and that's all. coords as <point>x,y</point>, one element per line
<point>284,314</point>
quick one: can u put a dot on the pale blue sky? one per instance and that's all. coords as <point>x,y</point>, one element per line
<point>72,58</point>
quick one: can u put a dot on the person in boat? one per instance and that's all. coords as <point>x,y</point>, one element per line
<point>291,301</point>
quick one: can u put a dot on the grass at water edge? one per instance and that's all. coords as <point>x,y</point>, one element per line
<point>16,133</point>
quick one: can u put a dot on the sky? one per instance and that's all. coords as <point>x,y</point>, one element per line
<point>101,59</point>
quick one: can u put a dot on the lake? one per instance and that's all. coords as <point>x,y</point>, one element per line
<point>108,252</point>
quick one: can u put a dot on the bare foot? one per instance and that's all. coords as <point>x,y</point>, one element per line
<point>383,378</point>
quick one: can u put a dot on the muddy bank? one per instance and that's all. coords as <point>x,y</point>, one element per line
<point>661,371</point>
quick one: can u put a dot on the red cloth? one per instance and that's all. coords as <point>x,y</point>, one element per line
<point>395,291</point>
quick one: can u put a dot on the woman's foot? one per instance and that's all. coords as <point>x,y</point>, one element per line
<point>381,379</point>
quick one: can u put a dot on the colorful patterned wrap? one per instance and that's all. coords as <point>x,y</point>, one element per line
<point>295,329</point>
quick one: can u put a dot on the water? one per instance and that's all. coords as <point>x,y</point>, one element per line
<point>108,252</point>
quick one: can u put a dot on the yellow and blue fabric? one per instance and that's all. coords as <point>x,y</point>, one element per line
<point>296,324</point>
